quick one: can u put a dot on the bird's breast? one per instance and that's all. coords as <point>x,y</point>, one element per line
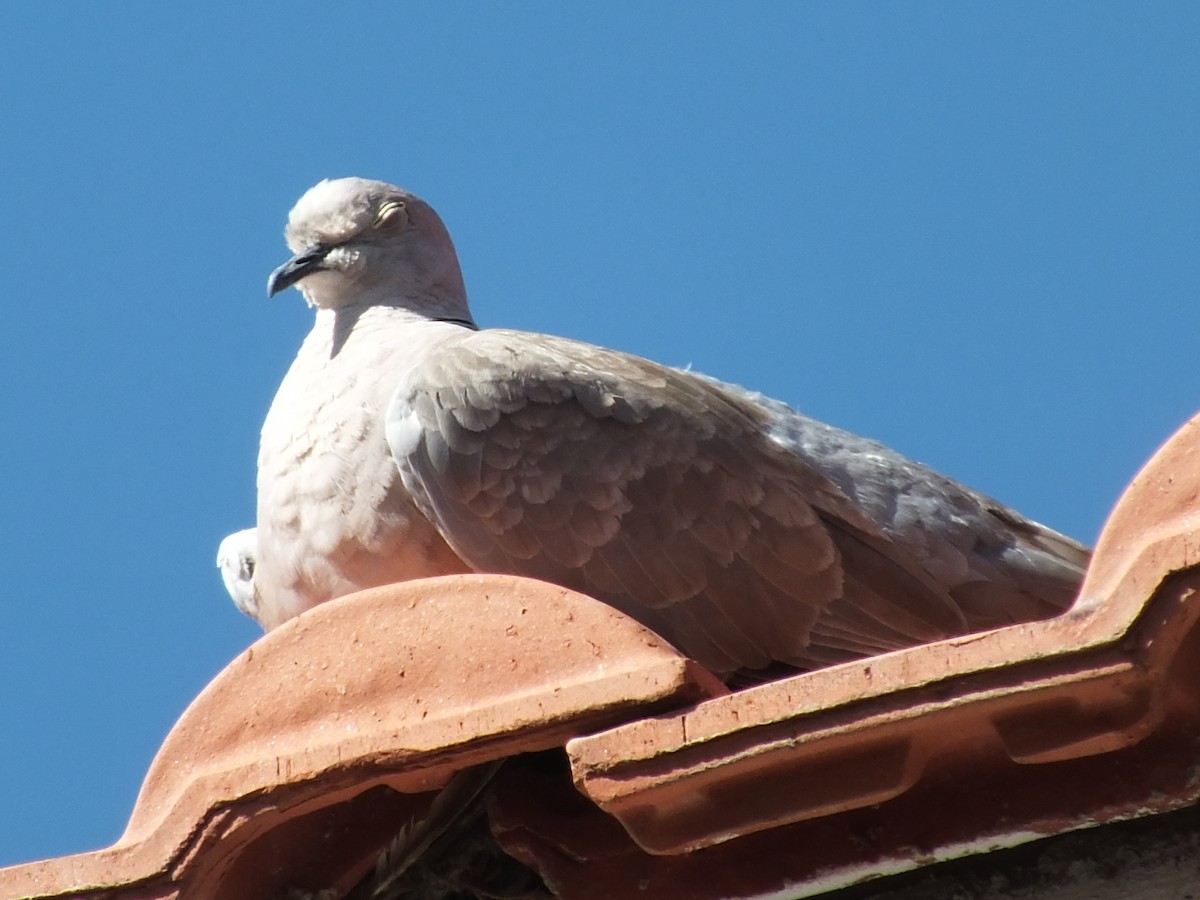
<point>333,515</point>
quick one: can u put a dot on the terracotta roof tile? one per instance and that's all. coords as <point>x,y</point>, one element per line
<point>397,687</point>
<point>302,759</point>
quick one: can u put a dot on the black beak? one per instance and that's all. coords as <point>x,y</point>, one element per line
<point>303,263</point>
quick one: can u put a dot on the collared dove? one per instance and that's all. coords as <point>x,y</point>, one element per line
<point>237,557</point>
<point>405,442</point>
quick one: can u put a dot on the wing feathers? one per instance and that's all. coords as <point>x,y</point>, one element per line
<point>656,491</point>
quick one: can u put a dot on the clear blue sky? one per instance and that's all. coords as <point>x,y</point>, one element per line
<point>968,230</point>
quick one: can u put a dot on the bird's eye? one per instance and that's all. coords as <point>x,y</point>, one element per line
<point>392,216</point>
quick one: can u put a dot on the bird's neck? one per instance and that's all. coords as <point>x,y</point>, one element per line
<point>334,327</point>
<point>437,304</point>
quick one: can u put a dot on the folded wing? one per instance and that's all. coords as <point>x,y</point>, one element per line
<point>658,492</point>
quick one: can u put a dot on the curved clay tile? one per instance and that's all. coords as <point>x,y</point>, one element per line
<point>938,751</point>
<point>306,755</point>
<point>309,751</point>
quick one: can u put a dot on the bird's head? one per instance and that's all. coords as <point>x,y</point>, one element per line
<point>364,243</point>
<point>237,558</point>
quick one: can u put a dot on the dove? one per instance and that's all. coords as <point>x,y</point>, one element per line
<point>237,556</point>
<point>406,442</point>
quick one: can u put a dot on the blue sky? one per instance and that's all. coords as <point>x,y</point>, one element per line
<point>968,230</point>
